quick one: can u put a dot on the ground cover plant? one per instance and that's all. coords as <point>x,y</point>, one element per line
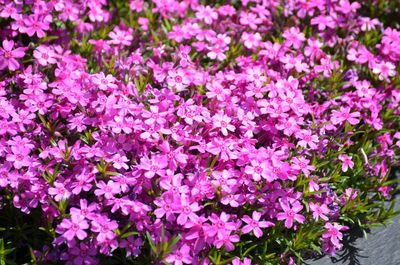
<point>195,132</point>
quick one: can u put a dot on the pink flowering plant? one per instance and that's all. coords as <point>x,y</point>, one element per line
<point>195,132</point>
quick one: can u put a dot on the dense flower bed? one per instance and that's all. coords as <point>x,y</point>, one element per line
<point>194,132</point>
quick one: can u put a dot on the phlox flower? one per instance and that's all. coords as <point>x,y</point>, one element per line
<point>36,24</point>
<point>294,37</point>
<point>307,139</point>
<point>120,161</point>
<point>251,40</point>
<point>153,166</point>
<point>59,191</point>
<point>8,55</point>
<point>237,261</point>
<point>121,37</point>
<point>385,70</point>
<point>222,121</point>
<point>178,80</point>
<point>186,211</point>
<point>227,241</point>
<point>250,19</point>
<point>75,227</point>
<point>333,233</point>
<point>319,211</point>
<point>206,13</point>
<point>257,170</point>
<point>180,256</point>
<point>344,115</point>
<point>107,190</point>
<point>104,82</point>
<point>254,224</point>
<point>290,212</point>
<point>104,229</point>
<point>44,55</point>
<point>221,225</point>
<point>302,164</point>
<point>347,162</point>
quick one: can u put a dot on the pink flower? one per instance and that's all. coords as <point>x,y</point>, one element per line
<point>8,55</point>
<point>153,166</point>
<point>107,190</point>
<point>19,157</point>
<point>119,161</point>
<point>319,211</point>
<point>75,227</point>
<point>227,241</point>
<point>254,224</point>
<point>121,37</point>
<point>221,225</point>
<point>307,139</point>
<point>345,115</point>
<point>290,214</point>
<point>251,40</point>
<point>216,90</point>
<point>222,121</point>
<point>59,192</point>
<point>178,80</point>
<point>187,211</point>
<point>181,256</point>
<point>257,170</point>
<point>302,164</point>
<point>104,228</point>
<point>207,14</point>
<point>37,24</point>
<point>250,19</point>
<point>104,82</point>
<point>294,37</point>
<point>333,233</point>
<point>385,70</point>
<point>347,162</point>
<point>44,55</point>
<point>237,261</point>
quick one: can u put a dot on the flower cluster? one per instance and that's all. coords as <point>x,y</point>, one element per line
<point>184,132</point>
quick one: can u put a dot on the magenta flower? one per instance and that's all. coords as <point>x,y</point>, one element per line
<point>45,55</point>
<point>319,211</point>
<point>290,212</point>
<point>237,261</point>
<point>307,139</point>
<point>178,80</point>
<point>180,256</point>
<point>120,161</point>
<point>104,82</point>
<point>347,162</point>
<point>227,241</point>
<point>75,227</point>
<point>59,191</point>
<point>107,190</point>
<point>153,166</point>
<point>385,70</point>
<point>345,115</point>
<point>221,225</point>
<point>36,24</point>
<point>206,13</point>
<point>19,156</point>
<point>8,55</point>
<point>333,233</point>
<point>187,211</point>
<point>222,121</point>
<point>258,170</point>
<point>104,229</point>
<point>254,224</point>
